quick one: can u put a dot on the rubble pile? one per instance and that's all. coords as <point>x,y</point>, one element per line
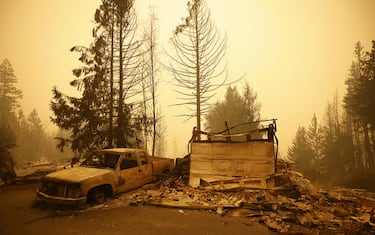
<point>298,208</point>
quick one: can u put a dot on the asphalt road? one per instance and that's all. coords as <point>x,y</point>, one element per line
<point>19,216</point>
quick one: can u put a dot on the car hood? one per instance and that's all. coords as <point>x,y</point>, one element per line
<point>76,174</point>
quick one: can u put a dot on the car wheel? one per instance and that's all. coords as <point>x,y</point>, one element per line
<point>97,196</point>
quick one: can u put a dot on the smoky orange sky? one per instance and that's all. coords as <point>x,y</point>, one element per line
<point>295,54</point>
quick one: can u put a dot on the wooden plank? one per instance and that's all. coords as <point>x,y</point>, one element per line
<point>232,167</point>
<point>243,183</point>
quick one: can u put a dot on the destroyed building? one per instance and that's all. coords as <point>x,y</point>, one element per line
<point>228,160</point>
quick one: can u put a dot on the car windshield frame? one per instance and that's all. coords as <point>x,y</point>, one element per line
<point>101,160</point>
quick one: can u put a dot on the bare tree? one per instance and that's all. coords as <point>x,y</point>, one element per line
<point>196,64</point>
<point>150,76</point>
<point>129,67</point>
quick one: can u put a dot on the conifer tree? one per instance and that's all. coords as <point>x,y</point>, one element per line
<point>301,152</point>
<point>235,109</point>
<point>108,80</point>
<point>9,94</point>
<point>199,50</point>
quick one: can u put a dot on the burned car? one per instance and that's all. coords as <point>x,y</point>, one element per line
<point>106,172</point>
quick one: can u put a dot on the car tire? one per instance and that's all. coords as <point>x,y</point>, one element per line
<point>97,196</point>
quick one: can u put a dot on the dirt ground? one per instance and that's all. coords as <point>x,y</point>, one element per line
<point>19,216</point>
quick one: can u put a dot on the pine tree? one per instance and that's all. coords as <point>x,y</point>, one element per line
<point>85,117</point>
<point>33,145</point>
<point>236,109</point>
<point>109,81</point>
<point>370,70</point>
<point>9,94</point>
<point>331,134</point>
<point>315,140</point>
<point>301,153</point>
<point>9,102</point>
<point>359,103</point>
<point>199,49</point>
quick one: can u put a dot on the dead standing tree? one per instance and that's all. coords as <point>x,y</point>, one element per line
<point>130,77</point>
<point>151,80</point>
<point>199,50</point>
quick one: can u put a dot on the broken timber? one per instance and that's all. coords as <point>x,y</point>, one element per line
<point>243,182</point>
<point>227,162</point>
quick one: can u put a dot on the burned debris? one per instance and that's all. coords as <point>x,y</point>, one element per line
<point>299,207</point>
<point>276,195</point>
<point>232,177</point>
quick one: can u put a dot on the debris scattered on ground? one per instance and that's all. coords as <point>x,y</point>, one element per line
<point>294,206</point>
<point>299,208</point>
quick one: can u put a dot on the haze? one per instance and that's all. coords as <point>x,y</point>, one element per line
<point>295,54</point>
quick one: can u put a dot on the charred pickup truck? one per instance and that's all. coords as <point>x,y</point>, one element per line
<point>102,174</point>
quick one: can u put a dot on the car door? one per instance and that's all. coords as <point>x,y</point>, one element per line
<point>146,167</point>
<point>130,175</point>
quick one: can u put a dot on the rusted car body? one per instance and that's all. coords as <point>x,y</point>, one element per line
<point>102,174</point>
<point>239,160</point>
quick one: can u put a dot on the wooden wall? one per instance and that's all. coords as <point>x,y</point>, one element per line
<point>214,161</point>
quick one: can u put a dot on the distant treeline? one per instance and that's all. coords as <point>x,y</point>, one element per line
<point>24,135</point>
<point>341,150</point>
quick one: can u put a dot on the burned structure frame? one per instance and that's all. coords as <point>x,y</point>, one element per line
<point>228,160</point>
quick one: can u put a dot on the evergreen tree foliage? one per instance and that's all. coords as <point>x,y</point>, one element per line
<point>9,102</point>
<point>301,152</point>
<point>370,69</point>
<point>332,155</point>
<point>8,122</point>
<point>24,135</point>
<point>343,148</point>
<point>359,103</point>
<point>31,143</point>
<point>7,136</point>
<point>9,94</point>
<point>109,81</point>
<point>314,136</point>
<point>236,109</point>
<point>85,117</point>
